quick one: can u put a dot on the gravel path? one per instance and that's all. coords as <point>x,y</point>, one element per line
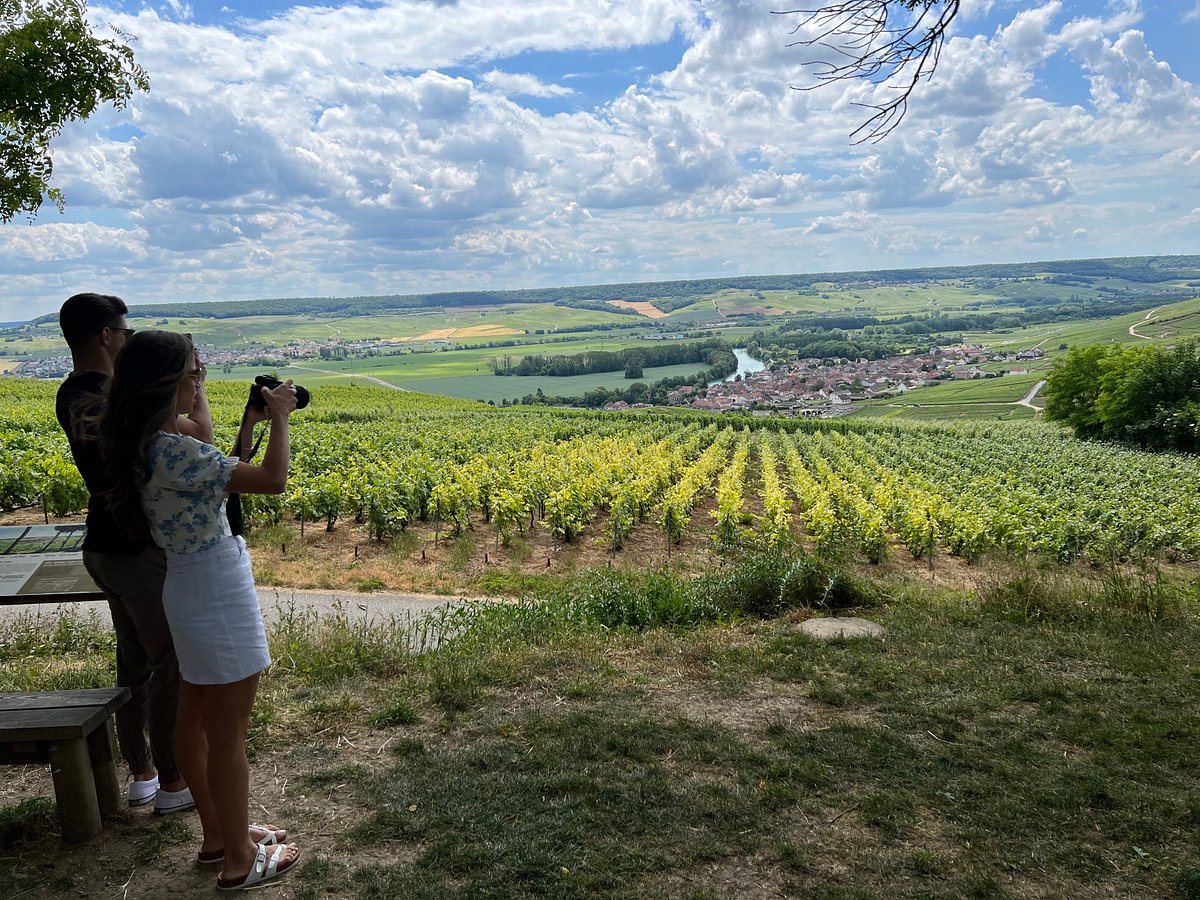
<point>373,608</point>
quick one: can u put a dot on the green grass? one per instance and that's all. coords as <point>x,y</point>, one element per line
<point>244,330</point>
<point>167,832</point>
<point>52,653</point>
<point>1051,737</point>
<point>28,820</point>
<point>626,733</point>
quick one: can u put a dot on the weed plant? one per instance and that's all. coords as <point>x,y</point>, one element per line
<point>61,653</point>
<point>26,821</point>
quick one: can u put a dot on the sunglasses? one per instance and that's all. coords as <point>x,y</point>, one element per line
<point>128,332</point>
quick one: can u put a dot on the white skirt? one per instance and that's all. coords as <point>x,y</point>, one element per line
<point>214,615</point>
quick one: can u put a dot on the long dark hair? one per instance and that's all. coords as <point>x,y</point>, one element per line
<point>140,404</point>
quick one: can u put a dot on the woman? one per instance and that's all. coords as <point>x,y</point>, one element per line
<point>171,487</point>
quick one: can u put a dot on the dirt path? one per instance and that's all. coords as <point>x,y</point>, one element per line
<point>1027,400</point>
<point>1145,320</point>
<point>277,602</point>
<point>378,381</point>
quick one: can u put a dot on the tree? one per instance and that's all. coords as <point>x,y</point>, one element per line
<point>53,70</point>
<point>1143,395</point>
<point>1074,387</point>
<point>633,366</point>
<point>879,41</point>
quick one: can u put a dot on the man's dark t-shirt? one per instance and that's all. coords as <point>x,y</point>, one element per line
<point>104,535</point>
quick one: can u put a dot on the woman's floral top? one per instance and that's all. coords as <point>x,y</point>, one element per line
<point>184,499</point>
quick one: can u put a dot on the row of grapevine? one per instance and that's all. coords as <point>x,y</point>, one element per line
<point>681,498</point>
<point>727,517</point>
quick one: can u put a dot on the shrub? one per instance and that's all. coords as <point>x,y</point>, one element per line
<point>811,582</point>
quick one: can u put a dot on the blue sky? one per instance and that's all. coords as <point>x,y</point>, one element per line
<point>423,145</point>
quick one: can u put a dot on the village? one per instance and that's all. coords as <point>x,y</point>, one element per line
<point>815,388</point>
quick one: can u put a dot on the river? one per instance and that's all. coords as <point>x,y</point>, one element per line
<point>747,364</point>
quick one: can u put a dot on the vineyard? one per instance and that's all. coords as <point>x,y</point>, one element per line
<point>391,461</point>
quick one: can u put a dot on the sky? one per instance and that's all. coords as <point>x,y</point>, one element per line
<point>412,146</point>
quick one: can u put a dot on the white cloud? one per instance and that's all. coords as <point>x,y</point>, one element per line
<point>517,84</point>
<point>391,147</point>
<point>847,221</point>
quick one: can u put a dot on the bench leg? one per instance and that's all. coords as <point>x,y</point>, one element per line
<point>75,790</point>
<point>102,747</point>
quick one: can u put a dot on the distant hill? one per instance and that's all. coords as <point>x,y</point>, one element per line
<point>669,295</point>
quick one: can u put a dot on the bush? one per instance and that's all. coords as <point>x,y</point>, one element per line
<point>811,582</point>
<point>750,587</point>
<point>613,598</point>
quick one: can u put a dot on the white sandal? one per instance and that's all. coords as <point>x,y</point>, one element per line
<point>272,837</point>
<point>263,869</point>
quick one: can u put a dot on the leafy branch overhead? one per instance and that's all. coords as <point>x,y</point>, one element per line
<point>896,43</point>
<point>53,71</point>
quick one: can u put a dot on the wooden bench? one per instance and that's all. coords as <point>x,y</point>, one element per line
<point>73,732</point>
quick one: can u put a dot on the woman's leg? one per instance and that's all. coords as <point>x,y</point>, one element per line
<point>227,721</point>
<point>192,755</point>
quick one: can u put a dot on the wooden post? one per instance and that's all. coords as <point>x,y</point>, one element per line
<point>75,790</point>
<point>102,747</point>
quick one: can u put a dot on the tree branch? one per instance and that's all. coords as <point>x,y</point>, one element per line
<point>892,42</point>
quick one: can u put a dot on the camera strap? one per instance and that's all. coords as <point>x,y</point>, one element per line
<point>233,506</point>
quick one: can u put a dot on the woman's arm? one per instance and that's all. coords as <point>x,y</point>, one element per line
<point>245,439</point>
<point>198,423</point>
<point>271,476</point>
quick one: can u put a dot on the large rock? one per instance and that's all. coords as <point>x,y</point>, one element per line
<point>828,628</point>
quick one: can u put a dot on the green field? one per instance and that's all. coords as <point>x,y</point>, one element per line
<point>468,387</point>
<point>948,412</point>
<point>1181,320</point>
<point>518,319</point>
<point>466,373</point>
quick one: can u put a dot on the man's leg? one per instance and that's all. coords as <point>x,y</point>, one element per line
<point>136,583</point>
<point>133,672</point>
<point>143,603</point>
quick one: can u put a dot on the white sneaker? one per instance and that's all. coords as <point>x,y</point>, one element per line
<point>167,802</point>
<point>142,792</point>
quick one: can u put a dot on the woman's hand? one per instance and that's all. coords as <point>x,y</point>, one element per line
<point>254,414</point>
<point>281,401</point>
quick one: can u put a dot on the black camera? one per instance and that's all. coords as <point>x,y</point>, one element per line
<point>266,381</point>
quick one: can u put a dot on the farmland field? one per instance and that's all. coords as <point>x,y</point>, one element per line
<point>990,391</point>
<point>471,386</point>
<point>1182,317</point>
<point>444,350</point>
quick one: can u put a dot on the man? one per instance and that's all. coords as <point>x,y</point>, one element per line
<point>129,572</point>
